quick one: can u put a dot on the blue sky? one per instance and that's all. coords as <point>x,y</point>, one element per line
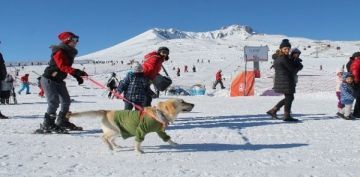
<point>29,27</point>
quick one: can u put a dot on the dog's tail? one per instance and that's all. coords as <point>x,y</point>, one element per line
<point>88,114</point>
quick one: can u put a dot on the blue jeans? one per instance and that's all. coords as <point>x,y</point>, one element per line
<point>25,86</point>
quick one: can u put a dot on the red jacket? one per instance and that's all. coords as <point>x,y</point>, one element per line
<point>24,79</point>
<point>218,76</point>
<point>62,63</point>
<point>355,69</point>
<point>152,65</point>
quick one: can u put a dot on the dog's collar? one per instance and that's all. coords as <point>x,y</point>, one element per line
<point>159,117</point>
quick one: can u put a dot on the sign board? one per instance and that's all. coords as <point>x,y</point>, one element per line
<point>256,53</point>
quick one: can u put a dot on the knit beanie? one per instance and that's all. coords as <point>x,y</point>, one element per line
<point>285,43</point>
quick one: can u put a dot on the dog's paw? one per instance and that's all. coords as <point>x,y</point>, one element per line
<point>139,151</point>
<point>172,143</point>
<point>137,148</point>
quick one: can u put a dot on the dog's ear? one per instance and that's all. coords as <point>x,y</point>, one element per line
<point>168,108</point>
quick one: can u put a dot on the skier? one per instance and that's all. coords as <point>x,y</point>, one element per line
<point>186,69</point>
<point>25,84</point>
<point>135,87</point>
<point>218,80</point>
<point>178,72</point>
<point>52,80</point>
<point>112,84</point>
<point>194,68</point>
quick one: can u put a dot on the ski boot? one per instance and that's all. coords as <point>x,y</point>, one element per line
<point>63,122</point>
<point>49,126</point>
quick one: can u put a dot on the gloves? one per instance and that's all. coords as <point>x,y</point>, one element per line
<point>79,73</point>
<point>79,80</point>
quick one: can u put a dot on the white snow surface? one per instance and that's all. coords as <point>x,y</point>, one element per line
<point>222,137</point>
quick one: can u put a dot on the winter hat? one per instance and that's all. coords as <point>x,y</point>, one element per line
<point>113,74</point>
<point>295,50</point>
<point>346,75</point>
<point>137,68</point>
<point>163,49</point>
<point>285,43</point>
<point>66,37</point>
<point>356,54</point>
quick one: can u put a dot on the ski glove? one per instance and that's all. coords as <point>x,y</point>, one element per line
<point>79,73</point>
<point>79,80</point>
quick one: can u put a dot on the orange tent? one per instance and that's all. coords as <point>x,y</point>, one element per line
<point>238,84</point>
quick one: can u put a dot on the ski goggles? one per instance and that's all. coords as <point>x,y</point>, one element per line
<point>74,38</point>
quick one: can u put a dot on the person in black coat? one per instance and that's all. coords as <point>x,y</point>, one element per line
<point>285,80</point>
<point>2,77</point>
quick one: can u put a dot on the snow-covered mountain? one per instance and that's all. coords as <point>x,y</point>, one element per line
<point>223,33</point>
<point>228,40</point>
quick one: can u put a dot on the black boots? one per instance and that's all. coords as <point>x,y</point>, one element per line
<point>49,126</point>
<point>288,118</point>
<point>272,113</point>
<point>64,123</point>
<point>350,117</point>
<point>3,117</point>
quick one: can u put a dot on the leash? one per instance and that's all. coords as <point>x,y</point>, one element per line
<point>115,93</point>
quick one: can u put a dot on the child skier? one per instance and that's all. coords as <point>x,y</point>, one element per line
<point>346,96</point>
<point>135,87</point>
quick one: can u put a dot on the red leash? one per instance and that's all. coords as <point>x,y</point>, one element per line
<point>116,94</point>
